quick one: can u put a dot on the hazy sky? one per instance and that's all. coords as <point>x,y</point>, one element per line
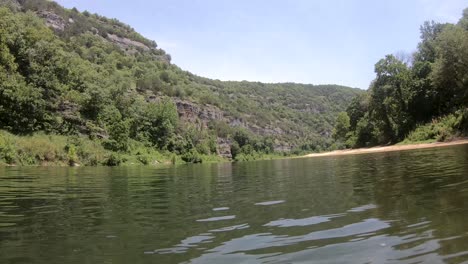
<point>318,42</point>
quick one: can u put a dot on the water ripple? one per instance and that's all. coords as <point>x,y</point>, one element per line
<point>399,207</point>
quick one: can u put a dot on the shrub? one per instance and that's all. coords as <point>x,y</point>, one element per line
<point>71,153</point>
<point>192,156</point>
<point>113,160</point>
<point>440,129</point>
<point>145,160</point>
<point>174,159</point>
<point>7,150</point>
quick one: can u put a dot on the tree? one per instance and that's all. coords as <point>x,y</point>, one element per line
<point>119,135</point>
<point>364,134</point>
<point>341,127</point>
<point>242,137</point>
<point>22,109</point>
<point>357,109</point>
<point>426,48</point>
<point>158,122</point>
<point>463,23</point>
<point>450,70</point>
<point>391,93</point>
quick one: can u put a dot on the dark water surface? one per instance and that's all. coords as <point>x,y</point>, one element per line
<point>398,207</point>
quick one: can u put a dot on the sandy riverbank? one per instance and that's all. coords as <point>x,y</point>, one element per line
<point>387,148</point>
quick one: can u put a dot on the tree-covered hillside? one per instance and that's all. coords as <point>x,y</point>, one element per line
<point>421,97</point>
<point>81,76</point>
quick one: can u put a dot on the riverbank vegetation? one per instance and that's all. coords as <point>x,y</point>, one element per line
<point>57,150</point>
<point>67,75</point>
<point>60,150</point>
<point>414,98</point>
<point>80,88</point>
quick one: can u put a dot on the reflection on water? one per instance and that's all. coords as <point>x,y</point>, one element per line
<point>218,218</point>
<point>398,207</point>
<point>270,202</point>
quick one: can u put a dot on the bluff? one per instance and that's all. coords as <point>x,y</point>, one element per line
<point>68,72</point>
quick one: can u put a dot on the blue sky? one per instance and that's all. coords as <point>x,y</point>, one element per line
<point>306,41</point>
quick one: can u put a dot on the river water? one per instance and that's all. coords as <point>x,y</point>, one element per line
<point>396,207</point>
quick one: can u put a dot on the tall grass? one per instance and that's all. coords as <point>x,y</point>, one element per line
<point>441,129</point>
<point>42,149</point>
<point>57,150</point>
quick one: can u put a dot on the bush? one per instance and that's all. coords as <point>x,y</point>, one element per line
<point>247,157</point>
<point>145,160</point>
<point>203,148</point>
<point>113,160</point>
<point>192,156</point>
<point>7,150</point>
<point>119,136</point>
<point>174,159</point>
<point>89,152</point>
<point>441,129</point>
<point>40,148</point>
<point>72,156</point>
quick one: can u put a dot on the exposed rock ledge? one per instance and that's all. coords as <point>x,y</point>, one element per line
<point>125,43</point>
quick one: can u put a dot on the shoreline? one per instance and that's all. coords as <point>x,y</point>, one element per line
<point>391,148</point>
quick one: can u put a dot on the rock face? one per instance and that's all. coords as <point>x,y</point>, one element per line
<point>191,112</point>
<point>71,117</point>
<point>125,43</point>
<point>53,20</point>
<point>70,113</point>
<point>203,114</point>
<point>224,148</point>
<point>282,148</point>
<point>129,46</point>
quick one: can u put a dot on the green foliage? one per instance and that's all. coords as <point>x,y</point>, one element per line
<point>7,149</point>
<point>247,157</point>
<point>433,87</point>
<point>143,159</point>
<point>11,4</point>
<point>157,122</point>
<point>450,74</point>
<point>342,126</point>
<point>390,95</point>
<point>357,109</point>
<point>80,83</point>
<point>71,153</point>
<point>118,136</point>
<point>105,98</point>
<point>220,128</point>
<point>365,133</point>
<point>173,159</point>
<point>21,106</point>
<point>113,160</point>
<point>40,149</point>
<point>441,129</point>
<point>242,137</point>
<point>192,156</point>
<point>463,23</point>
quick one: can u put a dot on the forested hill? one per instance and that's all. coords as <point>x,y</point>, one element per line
<point>77,74</point>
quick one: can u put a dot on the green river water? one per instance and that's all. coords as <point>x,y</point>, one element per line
<point>396,207</point>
